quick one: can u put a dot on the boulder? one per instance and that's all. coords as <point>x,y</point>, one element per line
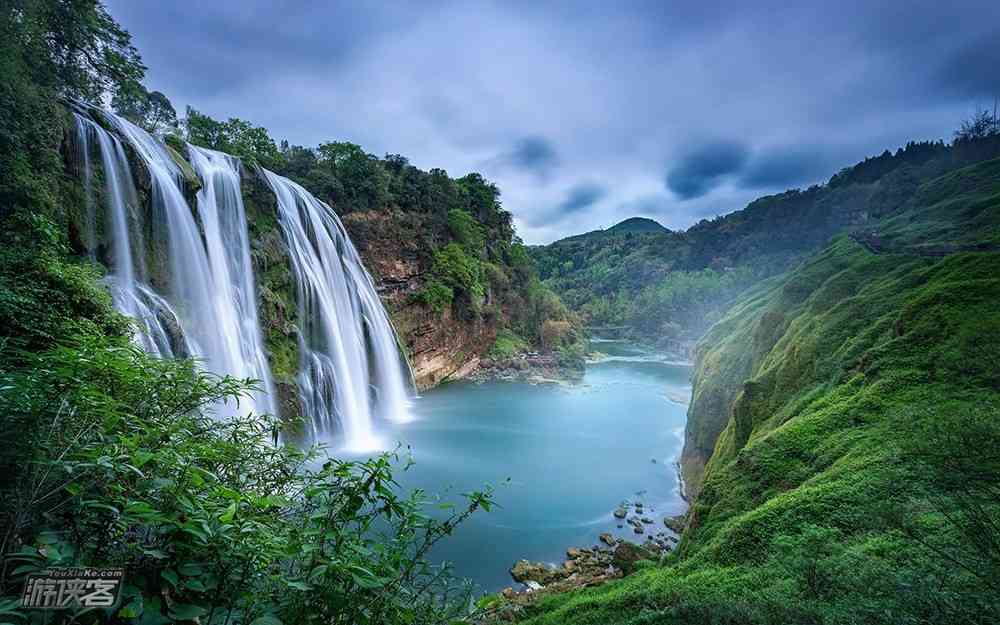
<point>676,523</point>
<point>621,513</point>
<point>627,554</point>
<point>608,539</point>
<point>525,571</point>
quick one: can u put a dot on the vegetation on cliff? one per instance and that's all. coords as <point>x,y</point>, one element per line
<point>856,407</point>
<point>469,269</point>
<point>669,286</point>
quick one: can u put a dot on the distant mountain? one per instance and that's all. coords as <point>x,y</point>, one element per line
<point>672,285</point>
<point>639,225</point>
<point>636,224</point>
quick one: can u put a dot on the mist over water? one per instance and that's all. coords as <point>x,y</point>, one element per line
<point>572,453</point>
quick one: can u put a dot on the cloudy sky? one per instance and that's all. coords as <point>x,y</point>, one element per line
<point>586,113</point>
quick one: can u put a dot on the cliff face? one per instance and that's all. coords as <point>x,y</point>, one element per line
<point>397,250</point>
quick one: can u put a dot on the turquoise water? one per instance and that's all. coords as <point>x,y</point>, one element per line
<point>572,453</point>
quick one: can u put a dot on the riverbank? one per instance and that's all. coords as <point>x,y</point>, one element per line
<point>530,367</point>
<point>642,530</point>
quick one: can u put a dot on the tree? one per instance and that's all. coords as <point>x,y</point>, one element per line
<point>983,123</point>
<point>350,178</point>
<point>149,109</point>
<point>238,137</point>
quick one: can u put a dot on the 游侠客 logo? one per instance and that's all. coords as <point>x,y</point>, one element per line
<point>68,588</point>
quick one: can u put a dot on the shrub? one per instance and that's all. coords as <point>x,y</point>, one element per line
<point>508,344</point>
<point>436,295</point>
<point>209,518</point>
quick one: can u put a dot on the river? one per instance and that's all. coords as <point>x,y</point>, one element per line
<point>572,454</point>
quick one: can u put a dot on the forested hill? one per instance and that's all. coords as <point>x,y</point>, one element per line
<point>849,414</point>
<point>671,286</point>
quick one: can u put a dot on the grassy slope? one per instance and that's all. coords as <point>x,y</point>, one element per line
<point>850,358</point>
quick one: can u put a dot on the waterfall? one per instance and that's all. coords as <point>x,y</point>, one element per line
<point>155,318</point>
<point>223,218</point>
<point>210,281</point>
<point>351,370</point>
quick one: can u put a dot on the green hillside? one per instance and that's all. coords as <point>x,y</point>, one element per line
<point>856,406</point>
<point>668,286</point>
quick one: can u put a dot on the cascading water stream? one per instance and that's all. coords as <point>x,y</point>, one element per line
<point>130,297</point>
<point>210,280</point>
<point>352,371</point>
<point>223,217</point>
<point>351,368</point>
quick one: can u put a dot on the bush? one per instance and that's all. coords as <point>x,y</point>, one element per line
<point>508,344</point>
<point>436,295</point>
<point>208,517</point>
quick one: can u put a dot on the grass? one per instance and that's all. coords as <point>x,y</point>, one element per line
<point>811,394</point>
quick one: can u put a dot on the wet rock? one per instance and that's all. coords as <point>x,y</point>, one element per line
<point>525,571</point>
<point>608,539</point>
<point>627,554</point>
<point>638,529</point>
<point>621,513</point>
<point>647,520</point>
<point>676,523</point>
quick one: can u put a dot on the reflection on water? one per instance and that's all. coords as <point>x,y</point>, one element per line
<point>572,453</point>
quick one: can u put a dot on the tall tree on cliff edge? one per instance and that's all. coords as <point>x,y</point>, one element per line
<point>51,49</point>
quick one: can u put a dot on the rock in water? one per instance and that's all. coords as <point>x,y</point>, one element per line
<point>525,571</point>
<point>627,554</point>
<point>676,523</point>
<point>608,539</point>
<point>621,513</point>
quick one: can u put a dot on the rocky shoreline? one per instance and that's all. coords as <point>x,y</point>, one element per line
<point>531,367</point>
<point>612,558</point>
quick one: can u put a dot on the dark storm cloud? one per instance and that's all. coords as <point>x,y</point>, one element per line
<point>543,95</point>
<point>974,68</point>
<point>578,198</point>
<point>787,166</point>
<point>533,154</point>
<point>703,168</point>
<point>582,196</point>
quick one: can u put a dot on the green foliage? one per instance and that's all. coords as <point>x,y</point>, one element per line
<point>149,109</point>
<point>237,137</point>
<point>466,230</point>
<point>48,50</point>
<point>852,412</point>
<point>641,276</point>
<point>508,344</point>
<point>209,518</point>
<point>456,269</point>
<point>437,295</point>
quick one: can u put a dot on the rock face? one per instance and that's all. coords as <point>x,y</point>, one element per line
<point>396,248</point>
